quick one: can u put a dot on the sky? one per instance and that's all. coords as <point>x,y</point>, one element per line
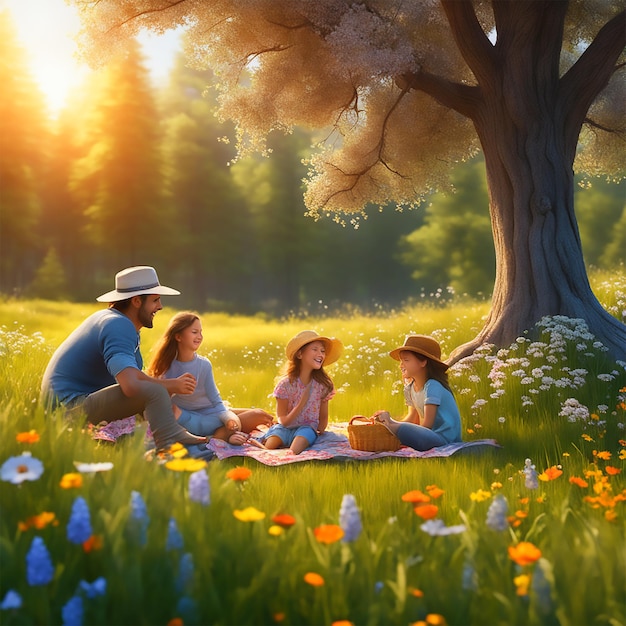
<point>45,29</point>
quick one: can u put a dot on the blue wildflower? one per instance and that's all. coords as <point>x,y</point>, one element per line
<point>185,573</point>
<point>39,568</point>
<point>497,513</point>
<point>187,608</point>
<point>12,600</point>
<point>97,588</point>
<point>137,524</point>
<point>79,526</point>
<point>199,489</point>
<point>531,482</point>
<point>469,578</point>
<point>174,538</point>
<point>378,586</point>
<point>350,518</point>
<point>540,584</point>
<point>72,612</point>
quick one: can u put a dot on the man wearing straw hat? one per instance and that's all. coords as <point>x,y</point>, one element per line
<point>98,369</point>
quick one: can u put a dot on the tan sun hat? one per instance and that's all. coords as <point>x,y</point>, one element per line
<point>334,347</point>
<point>136,281</point>
<point>420,344</point>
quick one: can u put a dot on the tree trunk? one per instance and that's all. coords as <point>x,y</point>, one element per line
<point>539,262</point>
<point>528,123</point>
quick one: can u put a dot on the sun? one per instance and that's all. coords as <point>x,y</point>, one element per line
<point>46,29</point>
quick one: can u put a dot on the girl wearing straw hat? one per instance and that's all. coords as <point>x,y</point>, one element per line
<point>303,391</point>
<point>433,417</point>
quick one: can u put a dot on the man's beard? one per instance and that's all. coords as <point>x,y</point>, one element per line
<point>145,318</point>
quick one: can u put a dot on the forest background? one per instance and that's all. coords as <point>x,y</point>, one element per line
<point>134,173</point>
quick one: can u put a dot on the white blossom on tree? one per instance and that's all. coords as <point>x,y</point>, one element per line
<point>404,90</point>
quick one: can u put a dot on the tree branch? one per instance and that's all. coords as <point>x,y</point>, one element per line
<point>461,98</point>
<point>470,38</point>
<point>593,70</point>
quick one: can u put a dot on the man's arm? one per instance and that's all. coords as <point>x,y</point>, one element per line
<point>129,378</point>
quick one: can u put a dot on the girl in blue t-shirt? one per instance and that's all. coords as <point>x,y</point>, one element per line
<point>433,417</point>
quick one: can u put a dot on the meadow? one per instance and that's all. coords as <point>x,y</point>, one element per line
<point>532,532</point>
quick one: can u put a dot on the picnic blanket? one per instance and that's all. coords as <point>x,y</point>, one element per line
<point>334,444</point>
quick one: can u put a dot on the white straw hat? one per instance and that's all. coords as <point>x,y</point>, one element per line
<point>136,281</point>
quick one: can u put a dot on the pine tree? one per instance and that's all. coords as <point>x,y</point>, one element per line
<point>23,142</point>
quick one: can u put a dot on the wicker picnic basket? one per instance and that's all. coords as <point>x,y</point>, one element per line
<point>366,434</point>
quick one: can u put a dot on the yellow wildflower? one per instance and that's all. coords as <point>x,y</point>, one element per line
<point>249,514</point>
<point>72,480</point>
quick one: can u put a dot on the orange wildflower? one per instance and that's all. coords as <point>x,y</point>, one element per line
<point>328,533</point>
<point>604,500</point>
<point>434,491</point>
<point>313,579</point>
<point>284,519</point>
<point>579,482</point>
<point>72,480</point>
<point>417,593</point>
<point>612,471</point>
<point>597,474</point>
<point>610,515</point>
<point>93,543</point>
<point>38,521</point>
<point>32,436</point>
<point>524,553</point>
<point>605,455</point>
<point>550,474</point>
<point>239,474</point>
<point>415,496</point>
<point>342,622</point>
<point>426,511</point>
<point>524,500</point>
<point>175,621</point>
<point>279,617</point>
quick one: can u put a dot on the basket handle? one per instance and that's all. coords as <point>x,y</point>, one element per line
<point>362,418</point>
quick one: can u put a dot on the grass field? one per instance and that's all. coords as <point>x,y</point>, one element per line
<point>470,539</point>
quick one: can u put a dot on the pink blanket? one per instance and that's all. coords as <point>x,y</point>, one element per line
<point>334,444</point>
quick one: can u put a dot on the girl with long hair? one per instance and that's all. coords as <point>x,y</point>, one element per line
<point>303,391</point>
<point>202,412</point>
<point>433,417</point>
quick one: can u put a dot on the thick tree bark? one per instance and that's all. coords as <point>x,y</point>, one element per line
<point>528,121</point>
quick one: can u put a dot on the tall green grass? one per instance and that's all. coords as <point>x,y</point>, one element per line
<point>561,404</point>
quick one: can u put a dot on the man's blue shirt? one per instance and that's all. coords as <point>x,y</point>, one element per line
<point>106,343</point>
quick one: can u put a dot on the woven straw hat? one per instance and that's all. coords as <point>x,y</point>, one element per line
<point>420,344</point>
<point>334,347</point>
